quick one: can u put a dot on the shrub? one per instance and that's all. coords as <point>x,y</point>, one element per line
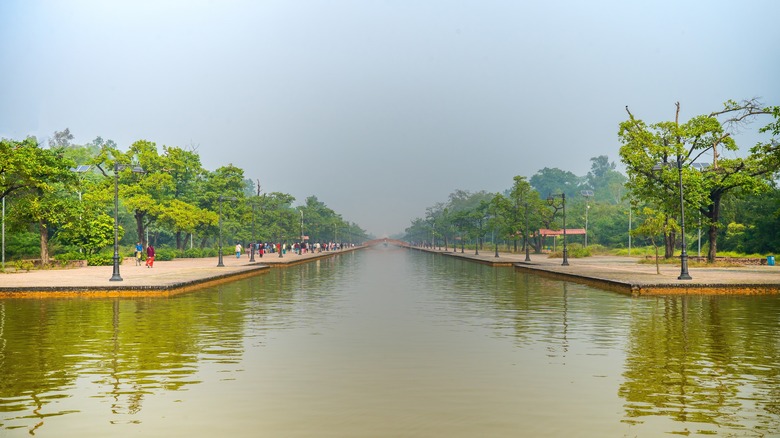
<point>165,254</point>
<point>575,250</point>
<point>192,253</point>
<point>23,265</point>
<point>101,259</point>
<point>637,251</point>
<point>597,249</point>
<point>73,255</point>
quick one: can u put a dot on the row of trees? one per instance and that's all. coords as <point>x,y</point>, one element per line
<point>729,192</point>
<point>535,202</point>
<point>65,194</point>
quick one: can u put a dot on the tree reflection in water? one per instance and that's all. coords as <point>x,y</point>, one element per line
<point>412,341</point>
<point>706,360</point>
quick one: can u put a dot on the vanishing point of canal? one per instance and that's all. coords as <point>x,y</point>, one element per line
<point>388,342</point>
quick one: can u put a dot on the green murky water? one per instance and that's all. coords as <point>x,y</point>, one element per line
<point>386,343</point>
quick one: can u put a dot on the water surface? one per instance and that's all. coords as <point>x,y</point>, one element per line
<point>389,342</point>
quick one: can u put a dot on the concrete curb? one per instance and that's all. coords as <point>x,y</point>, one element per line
<point>626,276</point>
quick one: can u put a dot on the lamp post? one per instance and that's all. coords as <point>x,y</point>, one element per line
<point>476,244</point>
<point>117,168</point>
<point>551,201</point>
<point>684,275</point>
<point>527,255</point>
<point>629,228</point>
<point>3,230</point>
<point>252,244</point>
<point>220,199</point>
<point>495,242</point>
<point>587,194</point>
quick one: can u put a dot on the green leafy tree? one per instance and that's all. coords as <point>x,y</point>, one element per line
<point>36,178</point>
<point>499,210</point>
<point>553,180</point>
<point>228,182</point>
<point>653,227</point>
<point>278,218</point>
<point>607,183</point>
<point>644,146</point>
<point>181,212</point>
<point>524,200</point>
<point>89,232</point>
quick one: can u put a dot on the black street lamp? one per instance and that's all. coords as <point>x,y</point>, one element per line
<point>301,210</point>
<point>117,168</point>
<point>551,201</point>
<point>252,244</point>
<point>220,199</point>
<point>495,241</point>
<point>527,255</point>
<point>684,275</point>
<point>476,245</point>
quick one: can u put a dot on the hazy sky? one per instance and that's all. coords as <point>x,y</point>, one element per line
<point>379,108</point>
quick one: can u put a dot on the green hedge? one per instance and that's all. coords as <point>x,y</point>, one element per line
<point>102,259</point>
<point>165,254</point>
<point>575,250</point>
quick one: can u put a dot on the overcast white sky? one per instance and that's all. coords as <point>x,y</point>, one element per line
<point>379,108</point>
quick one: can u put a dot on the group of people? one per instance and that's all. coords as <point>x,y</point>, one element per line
<point>139,250</point>
<point>261,248</point>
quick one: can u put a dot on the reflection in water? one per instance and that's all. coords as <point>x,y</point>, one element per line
<point>390,342</point>
<point>711,362</point>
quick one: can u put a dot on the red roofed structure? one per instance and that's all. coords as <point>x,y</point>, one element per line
<point>544,232</point>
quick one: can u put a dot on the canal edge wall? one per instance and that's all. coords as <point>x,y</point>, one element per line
<point>160,287</point>
<point>601,276</point>
<point>153,290</point>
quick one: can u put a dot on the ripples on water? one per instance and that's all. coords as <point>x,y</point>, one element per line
<point>390,342</point>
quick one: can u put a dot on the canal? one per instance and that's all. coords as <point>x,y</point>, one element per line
<point>388,342</point>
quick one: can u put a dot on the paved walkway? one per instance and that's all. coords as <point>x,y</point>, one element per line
<point>165,278</point>
<point>627,275</point>
<point>623,274</point>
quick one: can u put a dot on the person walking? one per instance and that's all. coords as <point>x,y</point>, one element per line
<point>139,249</point>
<point>150,256</point>
<point>238,250</point>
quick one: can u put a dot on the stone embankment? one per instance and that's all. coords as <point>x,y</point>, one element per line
<point>627,275</point>
<point>164,279</point>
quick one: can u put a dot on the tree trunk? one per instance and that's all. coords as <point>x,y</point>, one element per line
<point>178,241</point>
<point>713,214</point>
<point>537,243</point>
<point>657,266</point>
<point>669,245</point>
<point>139,227</point>
<point>44,242</point>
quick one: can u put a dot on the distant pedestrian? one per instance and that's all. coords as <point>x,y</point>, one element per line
<point>139,249</point>
<point>150,256</point>
<point>238,250</point>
